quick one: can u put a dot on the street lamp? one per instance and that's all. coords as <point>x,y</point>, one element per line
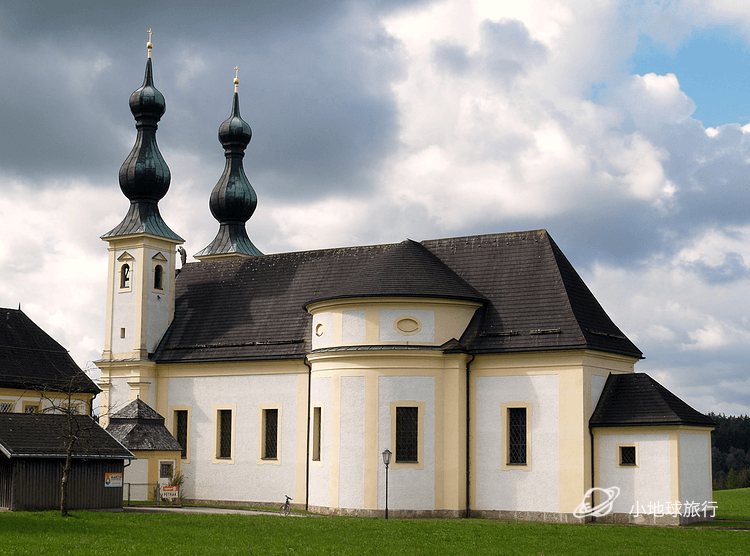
<point>387,462</point>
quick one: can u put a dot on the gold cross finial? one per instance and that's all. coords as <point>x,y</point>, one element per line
<point>149,45</point>
<point>236,77</point>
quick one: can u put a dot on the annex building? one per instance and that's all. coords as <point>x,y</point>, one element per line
<point>483,363</point>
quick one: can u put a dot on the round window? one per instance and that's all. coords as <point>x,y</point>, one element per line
<point>320,329</point>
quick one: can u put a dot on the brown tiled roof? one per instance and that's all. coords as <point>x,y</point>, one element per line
<point>636,399</point>
<point>138,427</point>
<point>254,308</point>
<point>45,435</point>
<point>31,359</point>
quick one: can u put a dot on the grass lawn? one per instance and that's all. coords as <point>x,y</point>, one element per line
<point>137,534</point>
<point>733,504</point>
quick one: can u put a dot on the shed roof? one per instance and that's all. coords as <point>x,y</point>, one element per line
<point>31,360</point>
<point>43,435</point>
<point>636,399</point>
<point>254,308</point>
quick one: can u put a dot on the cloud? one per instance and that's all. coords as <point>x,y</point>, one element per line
<point>374,122</point>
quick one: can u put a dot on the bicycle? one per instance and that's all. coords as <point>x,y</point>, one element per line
<point>286,507</point>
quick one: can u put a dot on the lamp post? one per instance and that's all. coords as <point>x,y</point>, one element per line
<point>387,462</point>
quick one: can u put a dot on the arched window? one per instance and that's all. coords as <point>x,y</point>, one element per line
<point>125,276</point>
<point>158,277</point>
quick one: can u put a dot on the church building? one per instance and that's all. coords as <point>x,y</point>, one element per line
<point>483,364</point>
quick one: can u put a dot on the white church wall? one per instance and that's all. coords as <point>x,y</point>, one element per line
<point>352,464</point>
<point>354,326</point>
<point>597,385</point>
<point>123,310</point>
<point>119,394</point>
<point>136,474</point>
<point>319,484</point>
<point>241,478</point>
<point>536,489</point>
<point>647,482</point>
<point>695,467</point>
<point>158,302</point>
<point>388,331</point>
<point>322,327</point>
<point>409,488</point>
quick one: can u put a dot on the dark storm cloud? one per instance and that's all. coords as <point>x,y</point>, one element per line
<point>315,86</point>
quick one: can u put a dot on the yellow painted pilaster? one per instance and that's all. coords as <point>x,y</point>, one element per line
<point>574,440</point>
<point>450,437</point>
<point>372,451</point>
<point>162,396</point>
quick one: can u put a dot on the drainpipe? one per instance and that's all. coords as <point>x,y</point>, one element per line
<point>593,503</point>
<point>468,439</point>
<point>307,458</point>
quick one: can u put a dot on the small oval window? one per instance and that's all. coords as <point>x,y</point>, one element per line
<point>407,325</point>
<point>320,329</point>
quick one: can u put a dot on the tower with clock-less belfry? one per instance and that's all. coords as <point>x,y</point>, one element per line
<point>141,263</point>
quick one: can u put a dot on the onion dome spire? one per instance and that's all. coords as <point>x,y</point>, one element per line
<point>145,176</point>
<point>233,199</point>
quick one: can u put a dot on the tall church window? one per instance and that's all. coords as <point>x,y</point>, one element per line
<point>125,276</point>
<point>158,277</point>
<point>181,430</point>
<point>317,428</point>
<point>407,434</point>
<point>517,436</point>
<point>224,444</point>
<point>270,433</point>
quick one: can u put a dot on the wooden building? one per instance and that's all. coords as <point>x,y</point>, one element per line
<point>32,456</point>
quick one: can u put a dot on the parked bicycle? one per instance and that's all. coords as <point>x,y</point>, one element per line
<point>286,507</point>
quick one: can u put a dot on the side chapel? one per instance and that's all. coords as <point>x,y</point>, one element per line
<point>483,363</point>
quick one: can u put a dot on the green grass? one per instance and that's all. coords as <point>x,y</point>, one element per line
<point>733,504</point>
<point>136,534</point>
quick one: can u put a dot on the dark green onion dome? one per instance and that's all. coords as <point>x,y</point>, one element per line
<point>233,199</point>
<point>145,176</point>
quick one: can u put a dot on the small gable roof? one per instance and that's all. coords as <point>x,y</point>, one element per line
<point>254,308</point>
<point>43,435</point>
<point>636,399</point>
<point>138,427</point>
<point>31,360</point>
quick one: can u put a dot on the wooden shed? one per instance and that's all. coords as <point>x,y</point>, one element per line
<point>32,457</point>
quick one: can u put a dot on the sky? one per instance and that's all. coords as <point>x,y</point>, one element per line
<point>622,128</point>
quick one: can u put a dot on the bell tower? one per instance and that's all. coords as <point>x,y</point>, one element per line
<point>141,266</point>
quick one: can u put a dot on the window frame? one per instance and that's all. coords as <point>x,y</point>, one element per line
<point>262,459</point>
<point>419,464</point>
<point>11,404</point>
<point>217,433</point>
<point>505,409</point>
<point>125,260</point>
<point>36,405</point>
<point>316,435</point>
<point>173,428</point>
<point>618,455</point>
<point>158,261</point>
